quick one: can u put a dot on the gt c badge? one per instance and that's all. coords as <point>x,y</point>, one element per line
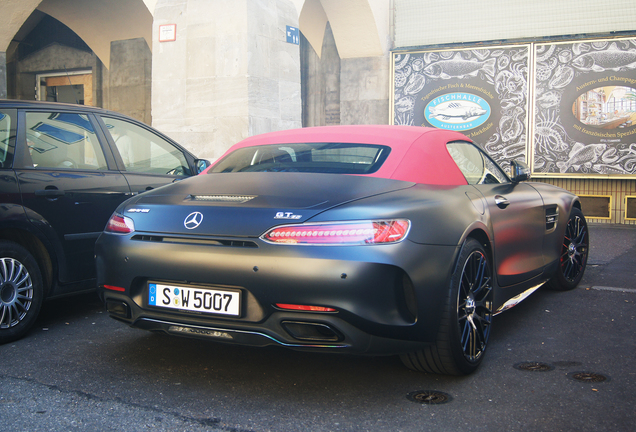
<point>193,220</point>
<point>287,215</point>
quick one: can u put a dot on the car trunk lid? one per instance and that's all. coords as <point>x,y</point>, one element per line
<point>248,204</point>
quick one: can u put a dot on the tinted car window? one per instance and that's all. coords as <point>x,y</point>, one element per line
<point>311,157</point>
<point>144,152</point>
<point>63,140</point>
<point>7,137</point>
<point>475,165</point>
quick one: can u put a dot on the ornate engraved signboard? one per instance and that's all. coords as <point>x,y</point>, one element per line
<point>585,108</point>
<point>482,93</point>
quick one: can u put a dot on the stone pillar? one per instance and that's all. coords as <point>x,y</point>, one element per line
<point>3,75</point>
<point>228,75</point>
<point>321,82</point>
<point>130,78</point>
<point>365,89</point>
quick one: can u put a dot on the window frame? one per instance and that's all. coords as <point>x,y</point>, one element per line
<point>485,170</point>
<point>10,149</point>
<point>102,120</point>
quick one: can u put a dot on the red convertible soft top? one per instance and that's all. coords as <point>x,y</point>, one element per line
<point>418,154</point>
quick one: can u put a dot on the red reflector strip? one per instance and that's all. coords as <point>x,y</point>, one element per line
<point>305,308</point>
<point>341,233</point>
<point>114,288</point>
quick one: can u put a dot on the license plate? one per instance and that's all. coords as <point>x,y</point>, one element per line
<point>196,299</point>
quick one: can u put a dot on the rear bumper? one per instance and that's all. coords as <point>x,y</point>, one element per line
<point>387,298</point>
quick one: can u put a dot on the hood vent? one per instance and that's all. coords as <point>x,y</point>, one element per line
<point>234,199</point>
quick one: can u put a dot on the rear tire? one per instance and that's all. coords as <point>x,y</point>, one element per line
<point>466,320</point>
<point>21,291</point>
<point>574,251</point>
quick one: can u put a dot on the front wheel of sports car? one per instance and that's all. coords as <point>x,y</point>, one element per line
<point>21,291</point>
<point>467,317</point>
<point>574,252</point>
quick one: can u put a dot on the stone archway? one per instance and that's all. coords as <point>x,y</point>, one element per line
<point>344,65</point>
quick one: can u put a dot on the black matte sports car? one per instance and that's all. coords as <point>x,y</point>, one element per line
<point>358,239</point>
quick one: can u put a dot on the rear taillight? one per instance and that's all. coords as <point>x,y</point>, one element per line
<point>119,224</point>
<point>340,233</point>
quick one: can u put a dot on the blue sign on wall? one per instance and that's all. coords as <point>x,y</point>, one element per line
<point>293,35</point>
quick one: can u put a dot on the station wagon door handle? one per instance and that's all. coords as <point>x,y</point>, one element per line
<point>49,193</point>
<point>501,201</point>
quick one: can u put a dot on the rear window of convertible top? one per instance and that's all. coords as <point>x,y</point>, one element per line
<point>335,158</point>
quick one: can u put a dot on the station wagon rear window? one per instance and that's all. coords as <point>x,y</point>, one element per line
<point>332,158</point>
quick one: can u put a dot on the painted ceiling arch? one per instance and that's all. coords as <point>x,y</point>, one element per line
<point>96,22</point>
<point>100,22</point>
<point>14,14</point>
<point>355,25</point>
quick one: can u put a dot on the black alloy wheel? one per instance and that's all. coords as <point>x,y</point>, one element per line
<point>20,291</point>
<point>474,306</point>
<point>466,321</point>
<point>574,252</point>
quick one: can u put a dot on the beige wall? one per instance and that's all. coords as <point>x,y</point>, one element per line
<point>453,21</point>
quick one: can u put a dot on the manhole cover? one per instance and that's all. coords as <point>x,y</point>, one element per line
<point>534,366</point>
<point>588,377</point>
<point>429,397</point>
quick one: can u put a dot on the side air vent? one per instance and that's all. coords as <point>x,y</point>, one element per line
<point>551,218</point>
<point>195,241</point>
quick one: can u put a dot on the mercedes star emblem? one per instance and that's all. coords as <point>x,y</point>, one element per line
<point>193,220</point>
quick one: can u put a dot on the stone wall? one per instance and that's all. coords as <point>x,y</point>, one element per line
<point>129,79</point>
<point>365,90</point>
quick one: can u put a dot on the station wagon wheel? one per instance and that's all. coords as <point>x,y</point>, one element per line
<point>467,318</point>
<point>574,251</point>
<point>21,291</point>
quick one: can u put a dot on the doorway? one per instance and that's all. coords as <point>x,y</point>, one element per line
<point>73,87</point>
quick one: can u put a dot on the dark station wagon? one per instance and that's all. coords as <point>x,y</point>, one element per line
<point>63,171</point>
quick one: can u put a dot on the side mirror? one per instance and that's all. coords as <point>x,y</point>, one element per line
<point>201,164</point>
<point>519,171</point>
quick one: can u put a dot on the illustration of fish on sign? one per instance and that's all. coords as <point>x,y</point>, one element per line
<point>582,155</point>
<point>611,59</point>
<point>456,110</point>
<point>458,67</point>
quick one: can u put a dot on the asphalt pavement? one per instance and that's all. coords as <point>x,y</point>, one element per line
<point>612,259</point>
<point>560,361</point>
